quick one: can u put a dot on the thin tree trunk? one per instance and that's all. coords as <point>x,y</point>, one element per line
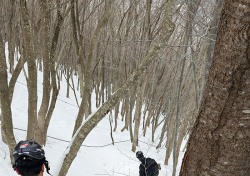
<point>46,72</point>
<point>140,92</point>
<point>130,114</point>
<point>32,71</point>
<point>126,113</point>
<point>11,47</point>
<point>55,92</point>
<point>116,115</point>
<point>11,42</point>
<point>55,86</point>
<point>68,75</point>
<point>156,120</point>
<point>6,114</point>
<point>151,97</point>
<point>163,130</point>
<point>79,48</point>
<point>14,77</point>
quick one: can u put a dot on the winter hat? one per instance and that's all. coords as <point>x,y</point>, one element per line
<point>139,155</point>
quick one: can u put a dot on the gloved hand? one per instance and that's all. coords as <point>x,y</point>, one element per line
<point>159,166</point>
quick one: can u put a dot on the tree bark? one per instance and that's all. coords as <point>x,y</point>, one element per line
<point>15,76</point>
<point>55,86</point>
<point>32,71</point>
<point>46,72</point>
<point>139,93</point>
<point>6,114</point>
<point>210,46</point>
<point>219,143</point>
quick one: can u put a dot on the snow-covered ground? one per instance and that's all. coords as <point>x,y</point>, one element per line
<point>97,155</point>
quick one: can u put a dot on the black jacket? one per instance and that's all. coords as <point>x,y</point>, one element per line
<point>148,167</point>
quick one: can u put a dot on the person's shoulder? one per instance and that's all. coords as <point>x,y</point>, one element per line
<point>150,159</point>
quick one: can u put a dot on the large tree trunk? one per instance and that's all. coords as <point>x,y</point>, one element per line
<point>219,143</point>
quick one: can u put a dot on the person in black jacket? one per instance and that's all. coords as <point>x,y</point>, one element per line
<point>148,166</point>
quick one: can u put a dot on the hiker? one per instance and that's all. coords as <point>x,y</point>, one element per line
<point>148,166</point>
<point>29,159</point>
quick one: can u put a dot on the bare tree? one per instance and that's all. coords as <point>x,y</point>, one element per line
<point>85,103</point>
<point>6,114</point>
<point>32,71</point>
<point>49,72</point>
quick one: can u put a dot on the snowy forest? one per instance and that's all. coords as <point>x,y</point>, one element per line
<point>168,69</point>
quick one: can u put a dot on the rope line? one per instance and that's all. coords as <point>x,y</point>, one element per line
<point>63,140</point>
<point>58,99</point>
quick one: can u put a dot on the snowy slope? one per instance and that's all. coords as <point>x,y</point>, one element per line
<point>97,156</point>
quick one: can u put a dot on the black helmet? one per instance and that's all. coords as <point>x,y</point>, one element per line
<point>139,154</point>
<point>29,154</point>
<point>28,148</point>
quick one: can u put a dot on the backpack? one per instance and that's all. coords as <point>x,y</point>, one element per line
<point>150,166</point>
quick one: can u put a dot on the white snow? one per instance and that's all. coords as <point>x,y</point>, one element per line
<point>97,156</point>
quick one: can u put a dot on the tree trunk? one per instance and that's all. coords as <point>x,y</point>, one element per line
<point>11,37</point>
<point>219,143</point>
<point>139,93</point>
<point>6,114</point>
<point>126,111</point>
<point>210,46</point>
<point>32,71</point>
<point>54,86</point>
<point>46,72</point>
<point>15,76</point>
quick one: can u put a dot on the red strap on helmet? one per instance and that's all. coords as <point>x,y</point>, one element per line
<point>43,168</point>
<point>17,171</point>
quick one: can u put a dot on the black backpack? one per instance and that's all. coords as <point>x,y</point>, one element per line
<point>150,166</point>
